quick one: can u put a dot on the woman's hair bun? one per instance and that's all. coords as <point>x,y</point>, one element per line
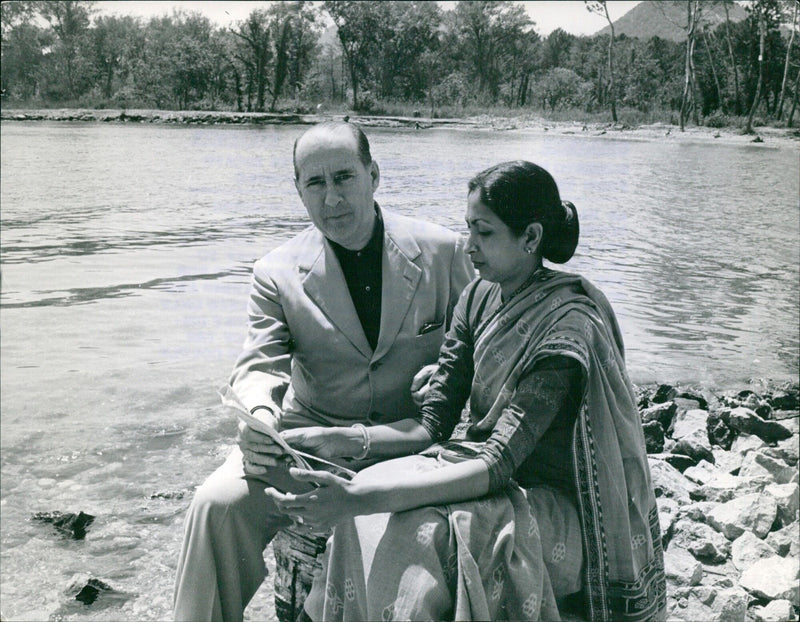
<point>561,234</point>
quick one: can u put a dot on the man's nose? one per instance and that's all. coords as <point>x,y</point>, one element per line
<point>332,195</point>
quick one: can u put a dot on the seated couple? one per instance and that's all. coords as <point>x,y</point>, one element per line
<point>544,495</point>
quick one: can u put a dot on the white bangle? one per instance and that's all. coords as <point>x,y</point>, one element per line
<point>365,439</point>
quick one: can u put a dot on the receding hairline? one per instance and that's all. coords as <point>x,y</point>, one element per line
<point>334,128</point>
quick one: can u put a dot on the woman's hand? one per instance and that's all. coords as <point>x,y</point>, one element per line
<point>320,510</point>
<point>328,443</point>
<point>419,385</point>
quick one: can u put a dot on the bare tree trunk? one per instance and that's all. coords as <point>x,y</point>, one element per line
<point>794,100</point>
<point>688,78</point>
<point>737,102</point>
<point>796,4</point>
<point>611,86</point>
<point>762,36</point>
<point>713,68</point>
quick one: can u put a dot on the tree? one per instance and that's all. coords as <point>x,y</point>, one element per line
<point>70,21</point>
<point>795,4</point>
<point>763,11</point>
<point>692,14</point>
<point>357,25</point>
<point>110,40</point>
<point>600,8</point>
<point>255,53</point>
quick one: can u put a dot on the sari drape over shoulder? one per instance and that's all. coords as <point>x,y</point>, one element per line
<point>558,314</point>
<point>564,314</point>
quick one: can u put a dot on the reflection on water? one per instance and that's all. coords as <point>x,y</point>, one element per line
<point>126,253</point>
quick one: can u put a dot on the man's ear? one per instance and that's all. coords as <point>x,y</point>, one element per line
<point>533,236</point>
<point>375,173</point>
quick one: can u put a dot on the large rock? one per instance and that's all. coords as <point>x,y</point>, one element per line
<point>723,487</point>
<point>667,515</point>
<point>718,431</point>
<point>746,420</point>
<point>682,568</point>
<point>696,446</point>
<point>757,464</point>
<point>786,450</point>
<point>663,413</point>
<point>694,604</point>
<point>688,423</point>
<point>669,482</point>
<point>773,578</point>
<point>702,473</point>
<point>788,498</point>
<point>697,511</point>
<point>727,461</point>
<point>653,437</point>
<point>776,611</point>
<point>701,541</point>
<point>747,549</point>
<point>68,524</point>
<point>786,541</point>
<point>755,512</point>
<point>663,393</point>
<point>745,443</point>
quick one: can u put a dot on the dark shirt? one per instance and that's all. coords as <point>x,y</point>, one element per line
<point>362,272</point>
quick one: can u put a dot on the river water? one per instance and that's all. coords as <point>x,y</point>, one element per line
<point>125,253</point>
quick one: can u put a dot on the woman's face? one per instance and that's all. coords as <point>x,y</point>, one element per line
<point>497,254</point>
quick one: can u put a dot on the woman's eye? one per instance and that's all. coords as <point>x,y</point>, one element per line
<point>484,234</point>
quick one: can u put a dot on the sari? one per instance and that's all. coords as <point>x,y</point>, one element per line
<point>557,314</point>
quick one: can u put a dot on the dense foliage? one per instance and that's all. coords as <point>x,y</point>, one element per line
<point>383,56</point>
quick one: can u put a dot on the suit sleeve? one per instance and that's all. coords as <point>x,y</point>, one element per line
<point>461,273</point>
<point>262,371</point>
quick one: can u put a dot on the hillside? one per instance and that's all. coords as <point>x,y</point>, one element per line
<point>667,19</point>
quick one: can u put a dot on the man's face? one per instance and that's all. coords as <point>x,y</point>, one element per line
<point>336,188</point>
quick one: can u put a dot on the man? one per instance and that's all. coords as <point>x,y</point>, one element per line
<point>341,318</point>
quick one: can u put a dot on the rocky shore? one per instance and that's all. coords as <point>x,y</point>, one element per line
<point>763,136</point>
<point>725,471</point>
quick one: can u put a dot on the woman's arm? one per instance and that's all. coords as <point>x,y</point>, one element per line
<point>389,486</point>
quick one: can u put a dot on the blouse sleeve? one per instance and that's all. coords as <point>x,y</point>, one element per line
<point>451,383</point>
<point>552,389</point>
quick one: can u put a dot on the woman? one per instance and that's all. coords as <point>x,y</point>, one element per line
<point>547,493</point>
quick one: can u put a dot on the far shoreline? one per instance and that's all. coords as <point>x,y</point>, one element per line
<point>763,136</point>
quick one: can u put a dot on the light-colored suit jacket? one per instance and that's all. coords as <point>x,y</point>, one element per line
<point>306,356</point>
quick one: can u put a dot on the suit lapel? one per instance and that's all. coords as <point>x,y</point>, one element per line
<point>400,278</point>
<point>325,285</point>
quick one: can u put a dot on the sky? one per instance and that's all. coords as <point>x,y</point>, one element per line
<point>549,15</point>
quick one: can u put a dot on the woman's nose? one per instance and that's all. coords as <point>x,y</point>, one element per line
<point>469,247</point>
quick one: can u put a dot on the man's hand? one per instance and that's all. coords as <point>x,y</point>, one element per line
<point>419,385</point>
<point>327,443</point>
<point>258,449</point>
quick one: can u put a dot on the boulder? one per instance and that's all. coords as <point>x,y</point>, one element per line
<point>663,393</point>
<point>757,464</point>
<point>745,443</point>
<point>700,540</point>
<point>688,423</point>
<point>718,431</point>
<point>663,413</point>
<point>67,523</point>
<point>693,604</point>
<point>696,446</point>
<point>697,511</point>
<point>692,396</point>
<point>754,512</point>
<point>788,498</point>
<point>682,568</point>
<point>785,539</point>
<point>724,487</point>
<point>786,450</point>
<point>747,549</point>
<point>702,473</point>
<point>653,437</point>
<point>746,420</point>
<point>669,482</point>
<point>667,515</point>
<point>773,578</point>
<point>784,400</point>
<point>727,461</point>
<point>777,611</point>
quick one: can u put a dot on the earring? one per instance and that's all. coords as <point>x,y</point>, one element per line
<point>529,250</point>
